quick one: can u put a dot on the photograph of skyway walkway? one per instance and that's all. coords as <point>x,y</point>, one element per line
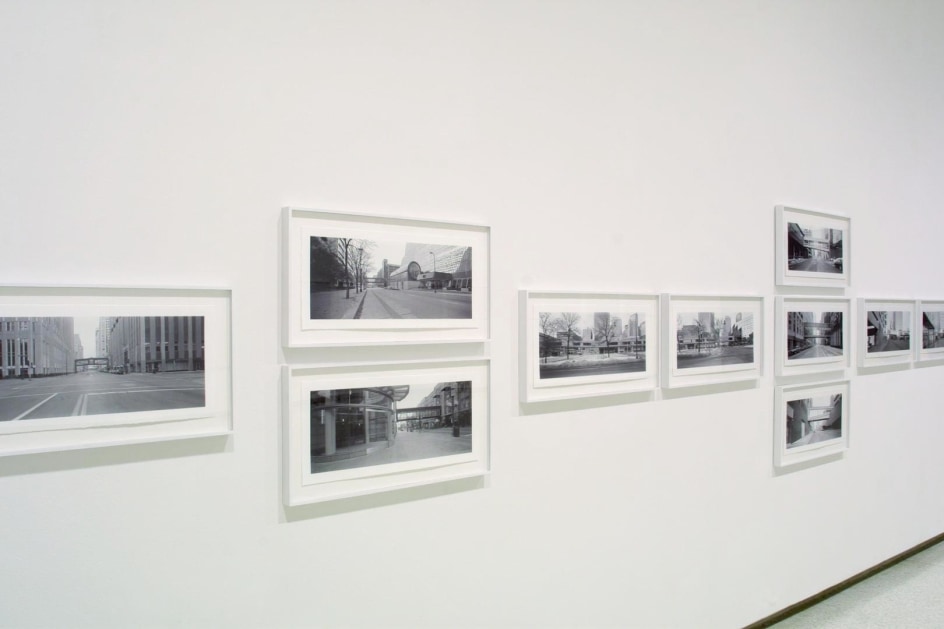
<point>386,303</point>
<point>97,393</point>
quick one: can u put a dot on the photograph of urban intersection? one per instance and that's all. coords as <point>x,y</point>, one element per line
<point>575,344</point>
<point>367,279</point>
<point>814,419</point>
<point>713,339</point>
<point>355,428</point>
<point>71,366</point>
<point>814,335</point>
<point>814,250</point>
<point>888,331</point>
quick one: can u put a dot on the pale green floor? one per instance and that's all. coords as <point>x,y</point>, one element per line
<point>909,595</point>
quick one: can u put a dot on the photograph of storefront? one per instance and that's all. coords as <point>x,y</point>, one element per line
<point>360,427</point>
<point>812,420</point>
<point>932,329</point>
<point>353,278</point>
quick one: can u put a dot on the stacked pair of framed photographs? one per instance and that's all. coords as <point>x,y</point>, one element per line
<point>88,367</point>
<point>590,344</point>
<point>389,284</point>
<point>812,336</point>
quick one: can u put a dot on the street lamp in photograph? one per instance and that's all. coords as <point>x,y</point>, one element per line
<point>434,270</point>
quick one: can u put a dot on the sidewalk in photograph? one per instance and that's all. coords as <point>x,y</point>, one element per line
<point>889,345</point>
<point>408,446</point>
<point>817,351</point>
<point>688,359</point>
<point>334,304</point>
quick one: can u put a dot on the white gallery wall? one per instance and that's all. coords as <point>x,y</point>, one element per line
<point>615,146</point>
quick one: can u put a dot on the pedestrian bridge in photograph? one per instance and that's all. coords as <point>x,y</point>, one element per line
<point>92,362</point>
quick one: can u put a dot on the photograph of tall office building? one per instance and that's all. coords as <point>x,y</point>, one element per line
<point>814,249</point>
<point>69,366</point>
<point>355,428</point>
<point>573,344</point>
<point>711,339</point>
<point>813,420</point>
<point>354,278</point>
<point>814,335</point>
<point>888,331</point>
<point>932,322</point>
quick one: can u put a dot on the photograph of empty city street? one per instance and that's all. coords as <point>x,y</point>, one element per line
<point>69,366</point>
<point>812,248</point>
<point>813,420</point>
<point>357,278</point>
<point>580,344</point>
<point>932,335</point>
<point>814,335</point>
<point>714,339</point>
<point>381,425</point>
<point>888,331</point>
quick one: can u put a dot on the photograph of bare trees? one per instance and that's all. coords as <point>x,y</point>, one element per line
<point>573,344</point>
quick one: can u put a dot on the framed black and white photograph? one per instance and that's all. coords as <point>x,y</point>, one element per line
<point>87,367</point>
<point>931,345</point>
<point>711,339</point>
<point>358,279</point>
<point>886,334</point>
<point>812,335</point>
<point>810,422</point>
<point>578,344</point>
<point>812,248</point>
<point>358,429</point>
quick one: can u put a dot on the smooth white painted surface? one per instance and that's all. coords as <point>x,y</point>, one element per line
<point>611,146</point>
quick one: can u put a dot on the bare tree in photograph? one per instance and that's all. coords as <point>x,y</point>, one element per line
<point>567,324</point>
<point>605,326</point>
<point>346,243</point>
<point>362,260</point>
<point>548,326</point>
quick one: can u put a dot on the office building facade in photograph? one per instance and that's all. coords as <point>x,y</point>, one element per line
<point>155,344</point>
<point>36,346</point>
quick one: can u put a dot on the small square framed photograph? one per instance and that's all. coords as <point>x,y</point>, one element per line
<point>357,429</point>
<point>84,367</point>
<point>885,334</point>
<point>931,315</point>
<point>812,335</point>
<point>810,422</point>
<point>351,279</point>
<point>584,344</point>
<point>812,248</point>
<point>711,339</point>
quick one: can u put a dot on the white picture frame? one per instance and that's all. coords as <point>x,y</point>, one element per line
<point>341,285</point>
<point>582,344</point>
<point>357,429</point>
<point>812,248</point>
<point>811,421</point>
<point>812,335</point>
<point>885,332</point>
<point>711,339</point>
<point>166,371</point>
<point>930,313</point>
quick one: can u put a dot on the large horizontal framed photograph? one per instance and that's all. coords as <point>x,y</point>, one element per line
<point>585,344</point>
<point>812,248</point>
<point>886,332</point>
<point>810,422</point>
<point>711,339</point>
<point>931,315</point>
<point>89,366</point>
<point>812,335</point>
<point>352,430</point>
<point>356,279</point>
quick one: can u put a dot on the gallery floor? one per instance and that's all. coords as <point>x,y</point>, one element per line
<point>904,596</point>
